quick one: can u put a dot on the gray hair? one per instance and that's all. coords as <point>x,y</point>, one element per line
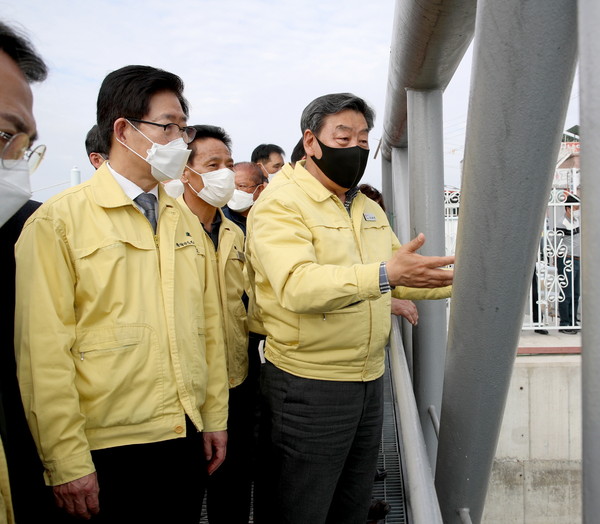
<point>18,47</point>
<point>315,112</point>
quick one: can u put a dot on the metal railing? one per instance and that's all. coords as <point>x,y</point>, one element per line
<point>423,506</point>
<point>524,61</point>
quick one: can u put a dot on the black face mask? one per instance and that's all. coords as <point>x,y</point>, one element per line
<point>343,165</point>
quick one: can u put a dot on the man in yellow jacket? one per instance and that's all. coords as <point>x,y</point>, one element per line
<point>208,184</point>
<point>118,329</point>
<point>323,261</point>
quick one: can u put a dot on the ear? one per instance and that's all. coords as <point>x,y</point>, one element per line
<point>184,176</point>
<point>311,146</point>
<point>96,160</point>
<point>120,128</point>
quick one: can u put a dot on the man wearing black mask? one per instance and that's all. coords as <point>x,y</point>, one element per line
<point>322,262</point>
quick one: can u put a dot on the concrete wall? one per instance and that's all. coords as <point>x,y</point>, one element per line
<point>537,471</point>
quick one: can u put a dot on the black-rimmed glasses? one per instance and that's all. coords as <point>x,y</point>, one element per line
<point>172,130</point>
<point>17,147</point>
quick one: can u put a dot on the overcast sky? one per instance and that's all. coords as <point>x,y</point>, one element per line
<point>248,66</point>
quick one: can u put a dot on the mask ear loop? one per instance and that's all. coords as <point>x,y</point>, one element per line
<point>130,149</point>
<point>140,132</point>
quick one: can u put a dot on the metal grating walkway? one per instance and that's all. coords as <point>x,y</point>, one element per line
<point>392,488</point>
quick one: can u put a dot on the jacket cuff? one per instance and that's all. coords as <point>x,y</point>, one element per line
<point>215,421</point>
<point>367,276</point>
<point>62,471</point>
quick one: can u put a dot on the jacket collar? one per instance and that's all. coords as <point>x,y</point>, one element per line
<point>311,186</point>
<point>106,190</point>
<point>108,193</point>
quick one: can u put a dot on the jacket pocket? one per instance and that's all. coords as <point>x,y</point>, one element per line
<point>337,336</point>
<point>107,269</point>
<point>119,375</point>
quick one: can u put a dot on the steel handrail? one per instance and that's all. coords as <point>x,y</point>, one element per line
<point>422,500</point>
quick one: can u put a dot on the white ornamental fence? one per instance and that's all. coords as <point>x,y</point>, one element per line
<point>554,297</point>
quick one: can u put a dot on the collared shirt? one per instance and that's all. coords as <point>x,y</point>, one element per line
<point>236,218</point>
<point>132,190</point>
<point>214,230</point>
<point>350,196</point>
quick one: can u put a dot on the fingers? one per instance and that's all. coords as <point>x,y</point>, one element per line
<point>218,459</point>
<point>438,262</point>
<point>208,450</point>
<point>81,508</point>
<point>415,244</point>
<point>93,503</point>
<point>79,497</point>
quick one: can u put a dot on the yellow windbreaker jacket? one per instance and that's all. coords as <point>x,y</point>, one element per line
<point>315,274</point>
<point>118,331</point>
<point>229,264</point>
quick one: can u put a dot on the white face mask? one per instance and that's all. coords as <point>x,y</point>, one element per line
<point>174,188</point>
<point>219,186</point>
<point>241,201</point>
<point>15,190</point>
<point>167,161</point>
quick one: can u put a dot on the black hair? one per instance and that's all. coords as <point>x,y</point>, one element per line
<point>298,152</point>
<point>315,112</point>
<point>126,92</point>
<point>18,47</point>
<point>93,142</point>
<point>262,152</point>
<point>372,193</point>
<point>205,131</point>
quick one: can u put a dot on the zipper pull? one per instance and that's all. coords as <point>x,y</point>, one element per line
<point>324,316</point>
<point>81,355</point>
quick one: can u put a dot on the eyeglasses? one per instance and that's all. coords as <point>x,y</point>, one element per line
<point>172,130</point>
<point>246,188</point>
<point>17,147</point>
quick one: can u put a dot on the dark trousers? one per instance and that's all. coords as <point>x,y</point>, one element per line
<point>157,482</point>
<point>567,309</point>
<point>228,490</point>
<point>325,439</point>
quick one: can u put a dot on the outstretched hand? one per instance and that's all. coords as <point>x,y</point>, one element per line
<point>408,268</point>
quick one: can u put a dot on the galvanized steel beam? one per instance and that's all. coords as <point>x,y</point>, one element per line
<point>589,79</point>
<point>426,168</point>
<point>524,61</point>
<point>429,39</point>
<point>399,202</point>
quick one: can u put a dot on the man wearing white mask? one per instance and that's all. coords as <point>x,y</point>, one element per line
<point>269,157</point>
<point>118,326</point>
<point>208,184</point>
<point>249,184</point>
